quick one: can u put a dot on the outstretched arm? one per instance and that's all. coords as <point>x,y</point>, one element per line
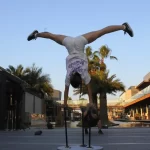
<point>92,36</point>
<point>89,93</point>
<point>66,95</point>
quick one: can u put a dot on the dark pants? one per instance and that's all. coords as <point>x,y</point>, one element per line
<point>89,121</point>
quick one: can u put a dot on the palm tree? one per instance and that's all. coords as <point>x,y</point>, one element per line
<point>94,87</point>
<point>103,53</point>
<point>34,77</point>
<point>107,85</point>
<point>69,98</point>
<point>95,63</point>
<point>93,60</point>
<point>101,83</point>
<point>38,81</point>
<point>19,71</point>
<point>93,66</point>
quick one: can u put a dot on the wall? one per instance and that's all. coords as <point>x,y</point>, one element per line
<point>29,100</point>
<point>38,105</point>
<point>134,91</point>
<point>33,104</point>
<point>56,95</point>
<point>147,77</point>
<point>128,93</point>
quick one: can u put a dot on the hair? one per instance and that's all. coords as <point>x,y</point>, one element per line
<point>75,80</point>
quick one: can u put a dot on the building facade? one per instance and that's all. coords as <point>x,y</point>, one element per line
<point>56,95</point>
<point>125,96</point>
<point>137,105</point>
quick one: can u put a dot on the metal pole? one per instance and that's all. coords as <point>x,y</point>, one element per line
<point>66,128</point>
<point>83,145</point>
<point>89,137</point>
<point>89,122</point>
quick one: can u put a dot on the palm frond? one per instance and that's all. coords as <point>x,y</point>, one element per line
<point>88,51</point>
<point>34,77</point>
<point>104,51</point>
<point>113,57</point>
<point>11,69</point>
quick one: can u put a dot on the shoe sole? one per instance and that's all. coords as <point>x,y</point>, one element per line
<point>130,29</point>
<point>30,35</point>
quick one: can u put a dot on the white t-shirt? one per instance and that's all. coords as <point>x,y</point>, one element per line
<point>77,60</point>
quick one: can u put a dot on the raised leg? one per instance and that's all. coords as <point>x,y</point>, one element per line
<point>55,37</point>
<point>99,124</point>
<point>92,36</point>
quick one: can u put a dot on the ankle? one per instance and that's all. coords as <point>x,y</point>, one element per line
<point>36,35</point>
<point>124,27</point>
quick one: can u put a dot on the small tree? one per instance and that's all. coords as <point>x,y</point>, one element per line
<point>69,98</point>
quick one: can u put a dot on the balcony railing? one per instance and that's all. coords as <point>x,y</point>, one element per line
<point>138,95</point>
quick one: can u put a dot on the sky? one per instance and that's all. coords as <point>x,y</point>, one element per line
<point>19,18</point>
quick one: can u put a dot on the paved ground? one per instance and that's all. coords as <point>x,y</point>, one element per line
<point>113,139</point>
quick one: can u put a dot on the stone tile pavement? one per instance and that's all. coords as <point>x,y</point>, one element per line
<point>113,139</point>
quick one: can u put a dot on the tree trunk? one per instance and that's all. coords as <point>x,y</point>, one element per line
<point>94,98</point>
<point>103,108</point>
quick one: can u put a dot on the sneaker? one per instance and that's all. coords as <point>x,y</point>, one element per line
<point>32,35</point>
<point>100,131</point>
<point>86,131</point>
<point>128,29</point>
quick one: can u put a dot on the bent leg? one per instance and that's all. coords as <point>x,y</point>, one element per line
<point>86,131</point>
<point>99,125</point>
<point>90,107</point>
<point>55,37</point>
<point>92,36</point>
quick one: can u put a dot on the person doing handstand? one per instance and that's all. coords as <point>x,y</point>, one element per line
<point>76,61</point>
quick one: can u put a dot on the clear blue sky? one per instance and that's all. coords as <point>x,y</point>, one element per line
<point>19,18</point>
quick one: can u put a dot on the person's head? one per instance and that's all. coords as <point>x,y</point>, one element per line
<point>75,80</point>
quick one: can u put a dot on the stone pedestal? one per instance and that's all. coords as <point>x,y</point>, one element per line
<point>78,147</point>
